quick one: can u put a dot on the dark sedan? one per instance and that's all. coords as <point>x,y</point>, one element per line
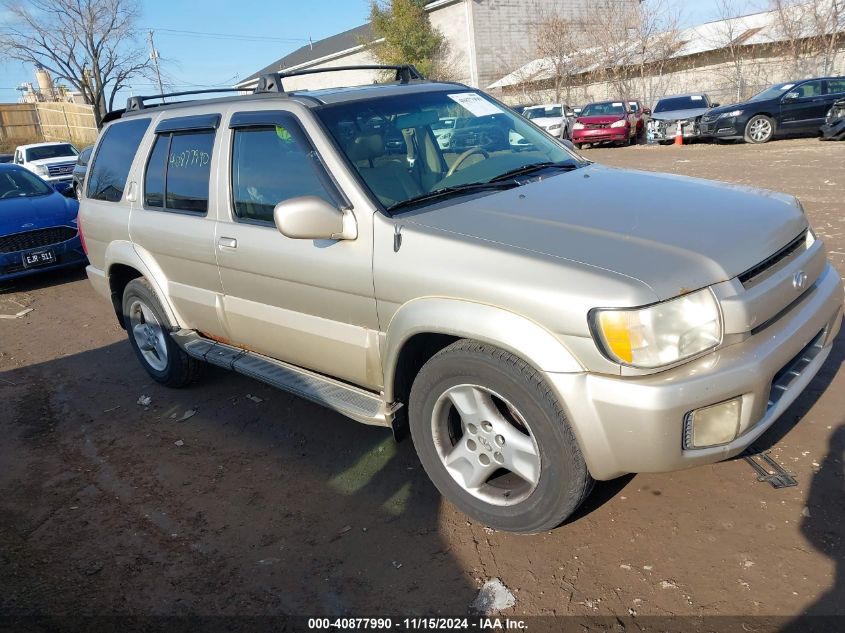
<point>79,171</point>
<point>38,229</point>
<point>791,108</point>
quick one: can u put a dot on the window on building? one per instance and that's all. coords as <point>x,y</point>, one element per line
<point>271,164</point>
<point>113,159</point>
<point>178,171</point>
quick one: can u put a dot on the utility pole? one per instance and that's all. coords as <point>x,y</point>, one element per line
<point>154,56</point>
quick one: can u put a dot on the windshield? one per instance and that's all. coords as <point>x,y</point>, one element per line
<point>20,183</point>
<point>681,103</point>
<point>50,151</point>
<point>540,113</point>
<point>603,109</point>
<point>772,93</point>
<point>391,142</point>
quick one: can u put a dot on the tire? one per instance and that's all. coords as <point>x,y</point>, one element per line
<point>504,404</point>
<point>759,129</point>
<point>77,193</point>
<point>149,334</point>
<point>578,145</point>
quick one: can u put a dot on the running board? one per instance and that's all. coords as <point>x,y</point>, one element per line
<point>353,402</point>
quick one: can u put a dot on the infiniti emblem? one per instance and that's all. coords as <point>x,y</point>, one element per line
<point>799,280</point>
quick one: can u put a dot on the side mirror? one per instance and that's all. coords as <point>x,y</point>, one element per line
<point>647,111</point>
<point>312,218</point>
<point>715,105</point>
<point>791,96</point>
<point>569,144</point>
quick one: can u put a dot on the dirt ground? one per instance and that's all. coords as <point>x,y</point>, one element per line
<point>262,503</point>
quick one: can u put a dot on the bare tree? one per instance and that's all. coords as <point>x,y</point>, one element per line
<point>730,34</point>
<point>91,44</point>
<point>827,21</point>
<point>633,46</point>
<point>558,45</point>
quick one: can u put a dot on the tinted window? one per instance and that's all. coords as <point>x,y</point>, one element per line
<point>20,183</point>
<point>156,170</point>
<point>681,103</point>
<point>601,109</point>
<point>178,172</point>
<point>835,86</point>
<point>50,151</point>
<point>84,156</point>
<point>809,89</point>
<point>272,164</point>
<point>114,158</point>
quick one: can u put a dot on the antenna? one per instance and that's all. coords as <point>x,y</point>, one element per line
<point>154,56</point>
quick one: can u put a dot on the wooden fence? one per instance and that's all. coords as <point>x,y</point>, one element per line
<point>50,121</point>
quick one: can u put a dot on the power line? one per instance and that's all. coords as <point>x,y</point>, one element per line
<point>233,36</point>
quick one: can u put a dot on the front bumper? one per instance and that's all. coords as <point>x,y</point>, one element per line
<point>601,135</point>
<point>633,425</point>
<point>834,131</point>
<point>68,253</point>
<point>728,128</point>
<point>660,130</point>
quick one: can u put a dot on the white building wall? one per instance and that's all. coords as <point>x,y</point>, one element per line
<point>451,20</point>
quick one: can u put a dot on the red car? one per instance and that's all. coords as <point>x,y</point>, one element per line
<point>608,122</point>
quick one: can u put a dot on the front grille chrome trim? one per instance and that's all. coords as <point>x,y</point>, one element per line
<point>770,265</point>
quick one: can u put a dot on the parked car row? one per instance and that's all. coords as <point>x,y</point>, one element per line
<point>792,108</point>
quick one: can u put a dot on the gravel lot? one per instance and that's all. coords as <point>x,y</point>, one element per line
<point>261,503</point>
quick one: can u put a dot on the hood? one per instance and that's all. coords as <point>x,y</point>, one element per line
<point>679,115</point>
<point>27,214</point>
<point>53,161</point>
<point>693,234</point>
<point>545,121</point>
<point>600,118</point>
<point>727,108</point>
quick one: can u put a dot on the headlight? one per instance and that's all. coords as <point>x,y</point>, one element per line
<point>578,126</point>
<point>42,170</point>
<point>726,115</point>
<point>660,334</point>
<point>556,126</point>
<point>619,123</point>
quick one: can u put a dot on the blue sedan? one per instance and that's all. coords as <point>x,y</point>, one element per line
<point>38,229</point>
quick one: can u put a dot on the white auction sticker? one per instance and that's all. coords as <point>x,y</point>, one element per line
<point>696,98</point>
<point>475,103</point>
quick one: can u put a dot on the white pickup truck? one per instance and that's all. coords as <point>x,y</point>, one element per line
<point>53,162</point>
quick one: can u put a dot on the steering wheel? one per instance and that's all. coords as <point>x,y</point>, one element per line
<point>9,193</point>
<point>460,159</point>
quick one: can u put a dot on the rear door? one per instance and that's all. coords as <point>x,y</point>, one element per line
<point>171,224</point>
<point>802,107</point>
<point>307,302</point>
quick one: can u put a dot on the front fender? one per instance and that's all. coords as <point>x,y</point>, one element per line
<point>465,319</point>
<point>127,254</point>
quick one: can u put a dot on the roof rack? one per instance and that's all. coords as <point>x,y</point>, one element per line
<point>272,82</point>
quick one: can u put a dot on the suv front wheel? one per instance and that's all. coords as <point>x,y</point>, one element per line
<point>759,129</point>
<point>494,440</point>
<point>149,334</point>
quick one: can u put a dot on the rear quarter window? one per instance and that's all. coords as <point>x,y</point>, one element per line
<point>108,174</point>
<point>178,172</point>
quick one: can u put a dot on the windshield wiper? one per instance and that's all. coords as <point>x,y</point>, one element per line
<point>531,168</point>
<point>457,190</point>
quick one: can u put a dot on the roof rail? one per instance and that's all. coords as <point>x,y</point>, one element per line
<point>272,82</point>
<point>134,104</point>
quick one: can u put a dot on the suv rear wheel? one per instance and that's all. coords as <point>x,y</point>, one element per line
<point>494,440</point>
<point>149,334</point>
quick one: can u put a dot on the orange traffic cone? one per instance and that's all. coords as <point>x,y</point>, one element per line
<point>679,134</point>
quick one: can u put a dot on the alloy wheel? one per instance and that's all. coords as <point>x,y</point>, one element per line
<point>149,335</point>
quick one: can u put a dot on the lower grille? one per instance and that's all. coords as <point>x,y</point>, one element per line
<point>35,239</point>
<point>794,368</point>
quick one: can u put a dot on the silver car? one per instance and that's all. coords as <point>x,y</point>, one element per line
<point>678,113</point>
<point>537,320</point>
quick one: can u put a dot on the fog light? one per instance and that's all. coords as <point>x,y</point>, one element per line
<point>713,425</point>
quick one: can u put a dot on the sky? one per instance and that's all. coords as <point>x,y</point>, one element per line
<point>215,42</point>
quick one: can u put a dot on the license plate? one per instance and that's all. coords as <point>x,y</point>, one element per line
<point>38,258</point>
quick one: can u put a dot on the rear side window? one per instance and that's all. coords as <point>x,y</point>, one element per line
<point>835,86</point>
<point>113,159</point>
<point>178,172</point>
<point>271,164</point>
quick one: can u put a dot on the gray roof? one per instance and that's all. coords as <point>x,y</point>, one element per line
<point>316,50</point>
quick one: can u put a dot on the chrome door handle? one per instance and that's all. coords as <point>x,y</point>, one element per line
<point>227,242</point>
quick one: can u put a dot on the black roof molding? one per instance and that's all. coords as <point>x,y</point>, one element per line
<point>272,82</point>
